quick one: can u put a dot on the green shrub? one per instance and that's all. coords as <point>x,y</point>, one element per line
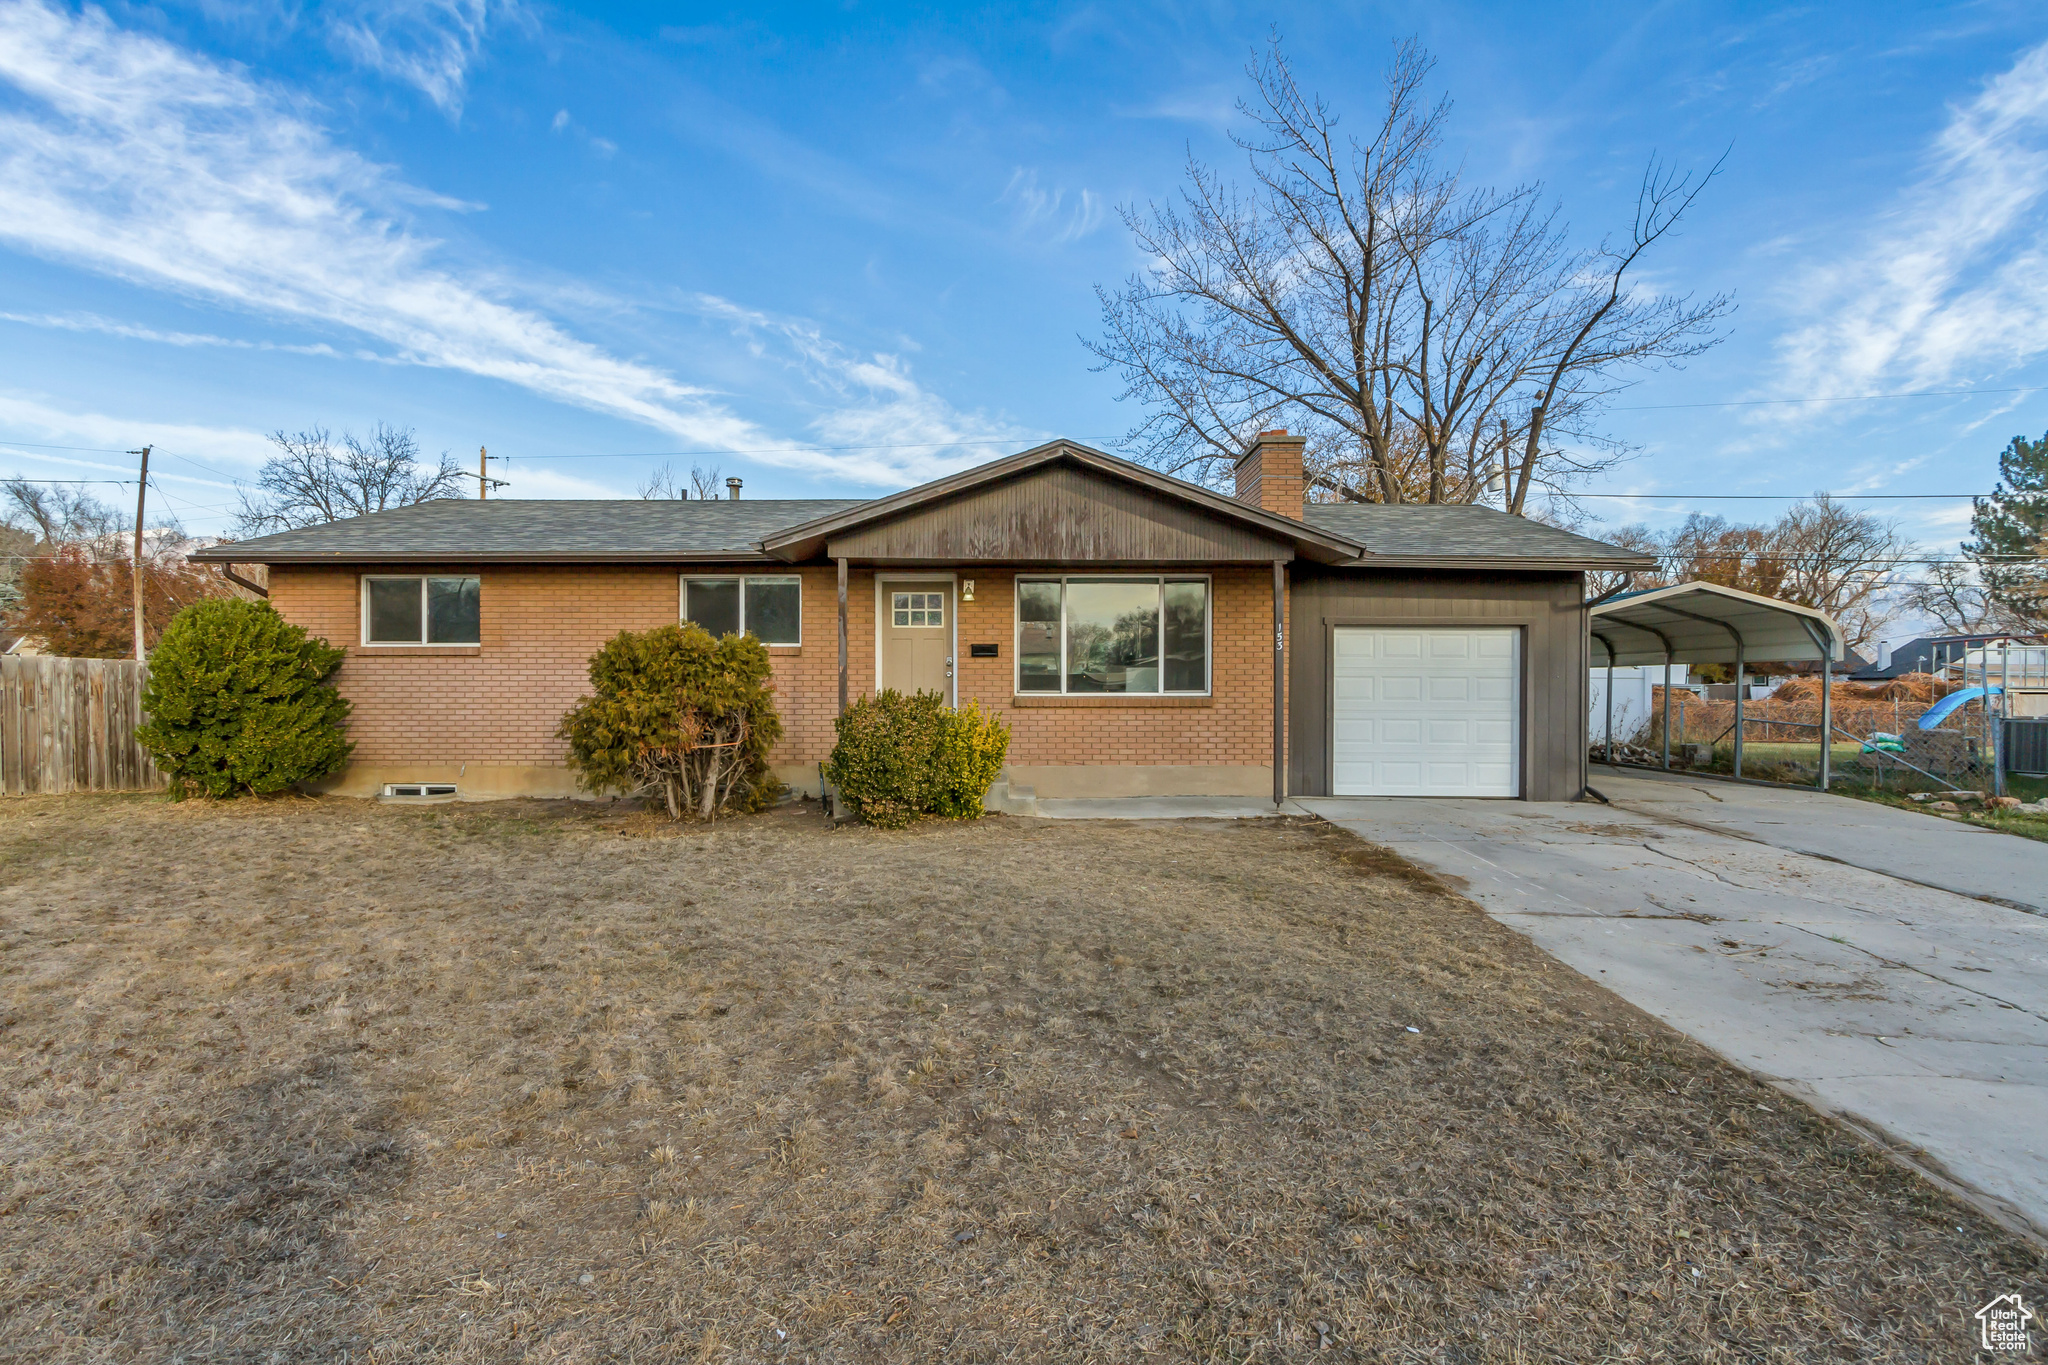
<point>901,757</point>
<point>682,714</point>
<point>238,700</point>
<point>972,748</point>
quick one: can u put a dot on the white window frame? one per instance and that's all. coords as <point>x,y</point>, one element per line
<point>1207,581</point>
<point>945,608</point>
<point>683,599</point>
<point>363,612</point>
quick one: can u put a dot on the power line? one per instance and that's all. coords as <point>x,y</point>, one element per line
<point>1776,497</point>
<point>196,465</point>
<point>96,450</point>
<point>765,450</point>
<point>1794,561</point>
<point>1847,398</point>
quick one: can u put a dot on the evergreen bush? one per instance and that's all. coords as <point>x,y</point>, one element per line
<point>678,713</point>
<point>903,756</point>
<point>238,701</point>
<point>972,747</point>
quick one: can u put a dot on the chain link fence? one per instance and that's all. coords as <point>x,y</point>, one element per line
<point>1877,739</point>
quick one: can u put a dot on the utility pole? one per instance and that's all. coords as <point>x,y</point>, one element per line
<point>484,482</point>
<point>141,494</point>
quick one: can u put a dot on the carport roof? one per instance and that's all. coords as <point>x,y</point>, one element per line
<point>1697,623</point>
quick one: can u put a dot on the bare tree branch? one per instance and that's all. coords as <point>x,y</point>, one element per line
<point>310,481</point>
<point>1431,342</point>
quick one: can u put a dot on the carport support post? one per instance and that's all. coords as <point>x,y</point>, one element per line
<point>1279,683</point>
<point>1667,709</point>
<point>1610,699</point>
<point>1827,719</point>
<point>842,636</point>
<point>1738,705</point>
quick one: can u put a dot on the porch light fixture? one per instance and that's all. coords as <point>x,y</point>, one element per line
<point>966,590</point>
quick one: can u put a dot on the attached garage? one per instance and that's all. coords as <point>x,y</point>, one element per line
<point>1425,711</point>
<point>1450,662</point>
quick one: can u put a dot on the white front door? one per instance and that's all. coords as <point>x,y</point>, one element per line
<point>1426,711</point>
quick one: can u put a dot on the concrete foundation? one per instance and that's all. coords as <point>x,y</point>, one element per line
<point>473,781</point>
<point>1085,781</point>
<point>1090,781</point>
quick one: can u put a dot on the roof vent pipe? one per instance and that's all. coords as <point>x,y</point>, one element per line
<point>732,489</point>
<point>1884,656</point>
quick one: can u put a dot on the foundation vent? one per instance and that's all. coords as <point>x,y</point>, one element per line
<point>419,791</point>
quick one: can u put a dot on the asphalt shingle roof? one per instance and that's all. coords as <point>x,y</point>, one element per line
<point>1922,654</point>
<point>514,528</point>
<point>1409,530</point>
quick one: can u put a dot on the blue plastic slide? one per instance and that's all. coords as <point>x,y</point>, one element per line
<point>1944,708</point>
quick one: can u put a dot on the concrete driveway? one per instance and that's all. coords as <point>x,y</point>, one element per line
<point>1906,844</point>
<point>1801,936</point>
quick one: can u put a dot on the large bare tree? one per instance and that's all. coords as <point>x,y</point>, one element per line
<point>1818,554</point>
<point>665,483</point>
<point>57,514</point>
<point>1433,342</point>
<point>312,480</point>
<point>1949,593</point>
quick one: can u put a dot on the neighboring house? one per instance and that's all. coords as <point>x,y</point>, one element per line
<point>1845,667</point>
<point>1635,697</point>
<point>1126,625</point>
<point>1926,654</point>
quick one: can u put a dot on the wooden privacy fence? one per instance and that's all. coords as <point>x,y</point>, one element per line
<point>68,725</point>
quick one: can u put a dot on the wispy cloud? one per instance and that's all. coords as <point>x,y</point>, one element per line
<point>139,161</point>
<point>865,399</point>
<point>1056,214</point>
<point>430,44</point>
<point>26,419</point>
<point>1213,106</point>
<point>92,322</point>
<point>1952,283</point>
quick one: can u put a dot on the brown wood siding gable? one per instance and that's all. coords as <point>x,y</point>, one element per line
<point>1058,515</point>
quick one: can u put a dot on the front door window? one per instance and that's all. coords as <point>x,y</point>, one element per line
<point>919,610</point>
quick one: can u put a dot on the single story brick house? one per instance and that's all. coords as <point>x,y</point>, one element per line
<point>1129,626</point>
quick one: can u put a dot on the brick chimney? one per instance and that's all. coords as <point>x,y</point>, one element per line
<point>1269,475</point>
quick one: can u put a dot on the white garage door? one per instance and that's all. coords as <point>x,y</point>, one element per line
<point>1427,712</point>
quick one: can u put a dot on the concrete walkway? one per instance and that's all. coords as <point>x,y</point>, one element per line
<point>1917,1014</point>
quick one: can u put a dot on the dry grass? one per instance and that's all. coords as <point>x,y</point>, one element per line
<point>307,1080</point>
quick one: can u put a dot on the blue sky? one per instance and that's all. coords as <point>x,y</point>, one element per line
<point>858,243</point>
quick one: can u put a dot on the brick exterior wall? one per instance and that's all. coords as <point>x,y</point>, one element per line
<point>498,703</point>
<point>1233,725</point>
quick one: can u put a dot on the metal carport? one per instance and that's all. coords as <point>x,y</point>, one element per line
<point>1705,623</point>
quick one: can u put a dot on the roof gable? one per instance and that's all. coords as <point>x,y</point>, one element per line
<point>1059,503</point>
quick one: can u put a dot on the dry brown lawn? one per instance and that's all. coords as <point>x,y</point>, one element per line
<point>321,1080</point>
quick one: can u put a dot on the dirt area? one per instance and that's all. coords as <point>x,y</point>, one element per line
<point>298,1080</point>
<point>2027,824</point>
